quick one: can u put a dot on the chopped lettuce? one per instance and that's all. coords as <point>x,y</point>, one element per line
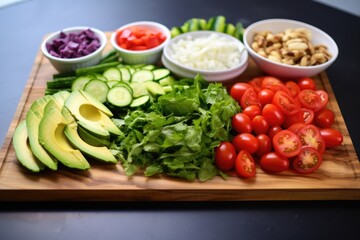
<point>177,135</point>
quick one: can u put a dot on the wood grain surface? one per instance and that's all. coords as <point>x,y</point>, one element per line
<point>336,179</point>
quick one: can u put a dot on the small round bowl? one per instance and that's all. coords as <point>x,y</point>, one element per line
<point>283,70</point>
<point>71,64</point>
<point>209,75</point>
<point>149,56</point>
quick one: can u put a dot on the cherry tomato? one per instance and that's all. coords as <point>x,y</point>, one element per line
<point>270,81</point>
<point>308,115</point>
<point>265,144</point>
<point>331,137</point>
<point>273,115</point>
<point>252,111</point>
<point>265,96</point>
<point>260,125</point>
<point>249,98</point>
<point>309,99</point>
<point>324,118</point>
<point>293,88</point>
<point>294,118</point>
<point>308,160</point>
<point>247,142</point>
<point>256,83</point>
<point>242,123</point>
<point>274,130</point>
<point>295,128</point>
<point>286,143</point>
<point>324,99</point>
<point>310,136</point>
<point>245,164</point>
<point>238,89</point>
<point>285,103</point>
<point>306,83</point>
<point>225,155</point>
<point>273,162</point>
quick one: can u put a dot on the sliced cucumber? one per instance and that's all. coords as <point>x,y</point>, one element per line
<point>219,24</point>
<point>125,74</point>
<point>119,96</point>
<point>175,31</point>
<point>169,80</point>
<point>137,102</point>
<point>160,73</point>
<point>239,31</point>
<point>99,76</point>
<point>209,23</point>
<point>167,89</point>
<point>142,76</point>
<point>124,84</point>
<point>154,88</point>
<point>185,27</point>
<point>230,29</point>
<point>139,89</point>
<point>202,23</point>
<point>98,89</point>
<point>194,24</point>
<point>80,82</point>
<point>112,74</point>
<point>131,70</point>
<point>112,83</point>
<point>148,67</point>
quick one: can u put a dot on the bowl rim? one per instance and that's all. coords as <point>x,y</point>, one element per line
<point>157,25</point>
<point>283,20</point>
<point>50,37</point>
<point>243,52</point>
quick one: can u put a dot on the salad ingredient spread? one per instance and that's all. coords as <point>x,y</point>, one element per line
<point>74,45</point>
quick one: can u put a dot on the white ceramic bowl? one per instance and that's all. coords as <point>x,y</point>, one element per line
<point>283,70</point>
<point>149,56</point>
<point>71,64</point>
<point>209,75</point>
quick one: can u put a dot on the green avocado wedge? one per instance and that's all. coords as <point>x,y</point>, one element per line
<point>23,151</point>
<point>99,153</point>
<point>53,139</point>
<point>33,118</point>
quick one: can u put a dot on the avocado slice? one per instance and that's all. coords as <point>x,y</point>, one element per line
<point>99,153</point>
<point>92,139</point>
<point>60,97</point>
<point>53,139</point>
<point>33,118</point>
<point>23,151</point>
<point>90,113</point>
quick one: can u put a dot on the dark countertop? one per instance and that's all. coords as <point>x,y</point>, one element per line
<point>22,27</point>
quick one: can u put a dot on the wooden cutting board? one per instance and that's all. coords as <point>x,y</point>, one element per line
<point>337,178</point>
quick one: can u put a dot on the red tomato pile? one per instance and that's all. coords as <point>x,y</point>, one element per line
<point>139,38</point>
<point>283,125</point>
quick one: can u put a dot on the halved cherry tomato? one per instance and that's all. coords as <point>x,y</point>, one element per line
<point>286,143</point>
<point>245,164</point>
<point>273,162</point>
<point>324,99</point>
<point>309,99</point>
<point>247,142</point>
<point>295,128</point>
<point>249,98</point>
<point>265,96</point>
<point>308,115</point>
<point>265,144</point>
<point>293,88</point>
<point>310,136</point>
<point>225,155</point>
<point>331,137</point>
<point>274,130</point>
<point>308,160</point>
<point>273,115</point>
<point>256,83</point>
<point>252,111</point>
<point>324,118</point>
<point>242,123</point>
<point>294,118</point>
<point>270,81</point>
<point>285,103</point>
<point>260,125</point>
<point>238,89</point>
<point>306,83</point>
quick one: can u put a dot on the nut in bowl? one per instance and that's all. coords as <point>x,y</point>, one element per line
<point>289,49</point>
<point>215,56</point>
<point>140,42</point>
<point>74,47</point>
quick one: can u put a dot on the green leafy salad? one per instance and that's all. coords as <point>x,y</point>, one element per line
<point>177,134</point>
